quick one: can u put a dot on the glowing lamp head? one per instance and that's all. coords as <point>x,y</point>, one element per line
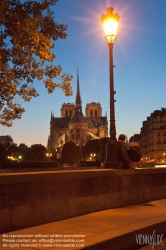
<point>110,25</point>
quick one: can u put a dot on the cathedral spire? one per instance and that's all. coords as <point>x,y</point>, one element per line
<point>78,101</point>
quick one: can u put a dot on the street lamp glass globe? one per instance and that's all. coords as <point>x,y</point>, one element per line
<point>110,29</point>
<point>110,25</point>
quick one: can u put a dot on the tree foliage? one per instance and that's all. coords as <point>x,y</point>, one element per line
<point>94,146</point>
<point>27,35</point>
<point>37,152</point>
<point>3,153</point>
<point>7,141</point>
<point>13,148</point>
<point>71,153</point>
<point>10,152</point>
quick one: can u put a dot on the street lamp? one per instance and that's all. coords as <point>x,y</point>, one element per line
<point>92,157</point>
<point>49,155</point>
<point>20,158</point>
<point>110,25</point>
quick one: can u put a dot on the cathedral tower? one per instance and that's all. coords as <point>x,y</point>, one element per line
<point>78,102</point>
<point>74,126</point>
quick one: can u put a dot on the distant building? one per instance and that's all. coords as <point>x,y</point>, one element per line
<point>135,138</point>
<point>153,136</point>
<point>74,126</point>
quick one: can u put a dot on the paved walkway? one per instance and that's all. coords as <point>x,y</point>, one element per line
<point>124,228</point>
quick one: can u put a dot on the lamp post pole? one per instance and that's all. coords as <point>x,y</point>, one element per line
<point>112,92</point>
<point>113,154</point>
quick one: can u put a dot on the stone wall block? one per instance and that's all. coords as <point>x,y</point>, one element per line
<point>77,206</point>
<point>55,190</point>
<point>100,185</point>
<point>95,203</point>
<point>110,184</point>
<point>5,222</point>
<point>87,186</point>
<point>138,181</point>
<point>134,182</point>
<point>19,217</point>
<point>83,205</point>
<point>148,194</point>
<point>58,189</point>
<point>158,193</point>
<point>45,212</point>
<point>157,181</point>
<point>5,194</point>
<point>148,180</point>
<point>135,196</point>
<point>127,182</point>
<point>118,183</point>
<point>115,184</point>
<point>116,199</point>
<point>162,192</point>
<point>25,193</point>
<point>162,180</point>
<point>74,189</point>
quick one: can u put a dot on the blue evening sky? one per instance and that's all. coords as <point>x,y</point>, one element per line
<point>139,75</point>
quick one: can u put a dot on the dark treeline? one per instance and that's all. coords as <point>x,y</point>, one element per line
<point>71,154</point>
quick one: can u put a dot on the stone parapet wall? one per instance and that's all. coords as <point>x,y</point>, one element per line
<point>29,199</point>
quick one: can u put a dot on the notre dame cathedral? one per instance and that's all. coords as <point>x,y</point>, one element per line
<point>74,126</point>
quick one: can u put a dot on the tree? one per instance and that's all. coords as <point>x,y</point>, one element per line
<point>101,155</point>
<point>7,141</point>
<point>12,149</point>
<point>94,146</point>
<point>71,153</point>
<point>22,147</point>
<point>90,147</point>
<point>27,35</point>
<point>3,153</point>
<point>37,152</point>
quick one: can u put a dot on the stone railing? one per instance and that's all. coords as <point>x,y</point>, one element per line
<point>29,199</point>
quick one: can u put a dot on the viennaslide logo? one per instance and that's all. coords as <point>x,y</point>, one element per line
<point>147,239</point>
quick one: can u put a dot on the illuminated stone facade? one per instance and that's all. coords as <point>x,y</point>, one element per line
<point>153,137</point>
<point>74,126</point>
